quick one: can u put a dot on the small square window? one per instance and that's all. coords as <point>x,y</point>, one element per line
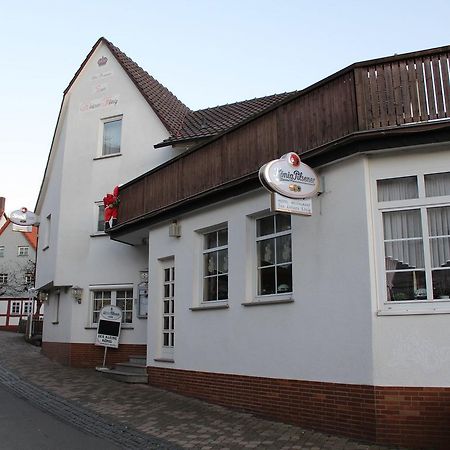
<point>3,278</point>
<point>27,308</point>
<point>112,133</point>
<point>23,251</point>
<point>122,298</point>
<point>15,308</point>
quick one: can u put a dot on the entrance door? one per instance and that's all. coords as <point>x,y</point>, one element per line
<point>168,309</point>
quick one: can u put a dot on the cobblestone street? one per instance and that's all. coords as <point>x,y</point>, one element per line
<point>141,416</point>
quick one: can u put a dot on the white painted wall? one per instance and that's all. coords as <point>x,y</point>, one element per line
<point>324,335</point>
<point>409,350</point>
<point>77,178</point>
<point>12,264</point>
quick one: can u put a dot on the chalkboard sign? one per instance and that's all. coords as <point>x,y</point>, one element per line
<point>108,330</point>
<point>108,327</point>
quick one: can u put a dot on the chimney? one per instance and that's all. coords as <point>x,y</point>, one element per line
<point>2,206</point>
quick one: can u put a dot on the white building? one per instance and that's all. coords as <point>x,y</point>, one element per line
<point>112,115</point>
<point>338,321</point>
<point>17,264</point>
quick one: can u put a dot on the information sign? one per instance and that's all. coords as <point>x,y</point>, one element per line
<point>108,329</point>
<point>302,207</point>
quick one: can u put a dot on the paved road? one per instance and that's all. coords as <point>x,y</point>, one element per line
<point>141,416</point>
<point>24,427</point>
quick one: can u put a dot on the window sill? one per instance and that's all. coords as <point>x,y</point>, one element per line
<point>206,306</point>
<point>272,300</point>
<point>412,312</point>
<point>417,307</point>
<point>166,360</point>
<point>99,234</point>
<point>114,155</point>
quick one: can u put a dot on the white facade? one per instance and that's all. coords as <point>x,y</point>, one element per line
<point>339,327</point>
<point>71,249</point>
<point>17,257</point>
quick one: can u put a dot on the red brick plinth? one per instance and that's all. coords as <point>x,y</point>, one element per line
<point>411,417</point>
<point>89,355</point>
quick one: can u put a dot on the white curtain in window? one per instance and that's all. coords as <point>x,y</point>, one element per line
<point>439,230</point>
<point>403,238</point>
<point>437,184</point>
<point>397,189</point>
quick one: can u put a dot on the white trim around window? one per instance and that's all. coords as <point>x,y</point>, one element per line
<point>110,137</point>
<point>98,221</point>
<point>412,232</point>
<point>122,295</point>
<point>23,250</point>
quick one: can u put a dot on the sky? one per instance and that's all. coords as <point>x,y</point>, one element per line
<point>207,53</point>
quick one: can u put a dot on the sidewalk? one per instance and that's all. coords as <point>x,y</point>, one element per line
<point>174,419</point>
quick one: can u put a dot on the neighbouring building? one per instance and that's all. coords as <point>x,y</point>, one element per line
<point>338,321</point>
<point>17,265</point>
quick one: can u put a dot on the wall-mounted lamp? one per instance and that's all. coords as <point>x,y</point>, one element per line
<point>174,229</point>
<point>43,296</point>
<point>77,293</point>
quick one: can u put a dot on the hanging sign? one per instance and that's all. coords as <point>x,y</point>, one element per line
<point>299,206</point>
<point>108,329</point>
<point>23,217</point>
<point>289,177</point>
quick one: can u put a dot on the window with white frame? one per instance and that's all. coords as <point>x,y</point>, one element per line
<point>100,228</point>
<point>2,251</point>
<point>23,250</point>
<point>112,133</point>
<point>168,328</point>
<point>123,298</point>
<point>215,265</point>
<point>15,308</point>
<point>27,308</point>
<point>274,254</point>
<point>415,217</point>
<point>3,278</point>
<point>29,278</point>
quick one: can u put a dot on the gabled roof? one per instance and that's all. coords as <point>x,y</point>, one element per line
<point>182,123</point>
<point>166,105</point>
<point>212,121</point>
<point>31,237</point>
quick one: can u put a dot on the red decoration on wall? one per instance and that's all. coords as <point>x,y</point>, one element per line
<point>111,202</point>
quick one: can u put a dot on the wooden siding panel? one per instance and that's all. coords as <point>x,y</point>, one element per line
<point>446,83</point>
<point>439,95</point>
<point>421,90</point>
<point>387,93</point>
<point>361,98</point>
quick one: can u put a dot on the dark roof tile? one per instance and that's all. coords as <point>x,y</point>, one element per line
<point>168,108</point>
<point>211,121</point>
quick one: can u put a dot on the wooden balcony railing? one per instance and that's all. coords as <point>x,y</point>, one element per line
<point>379,94</point>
